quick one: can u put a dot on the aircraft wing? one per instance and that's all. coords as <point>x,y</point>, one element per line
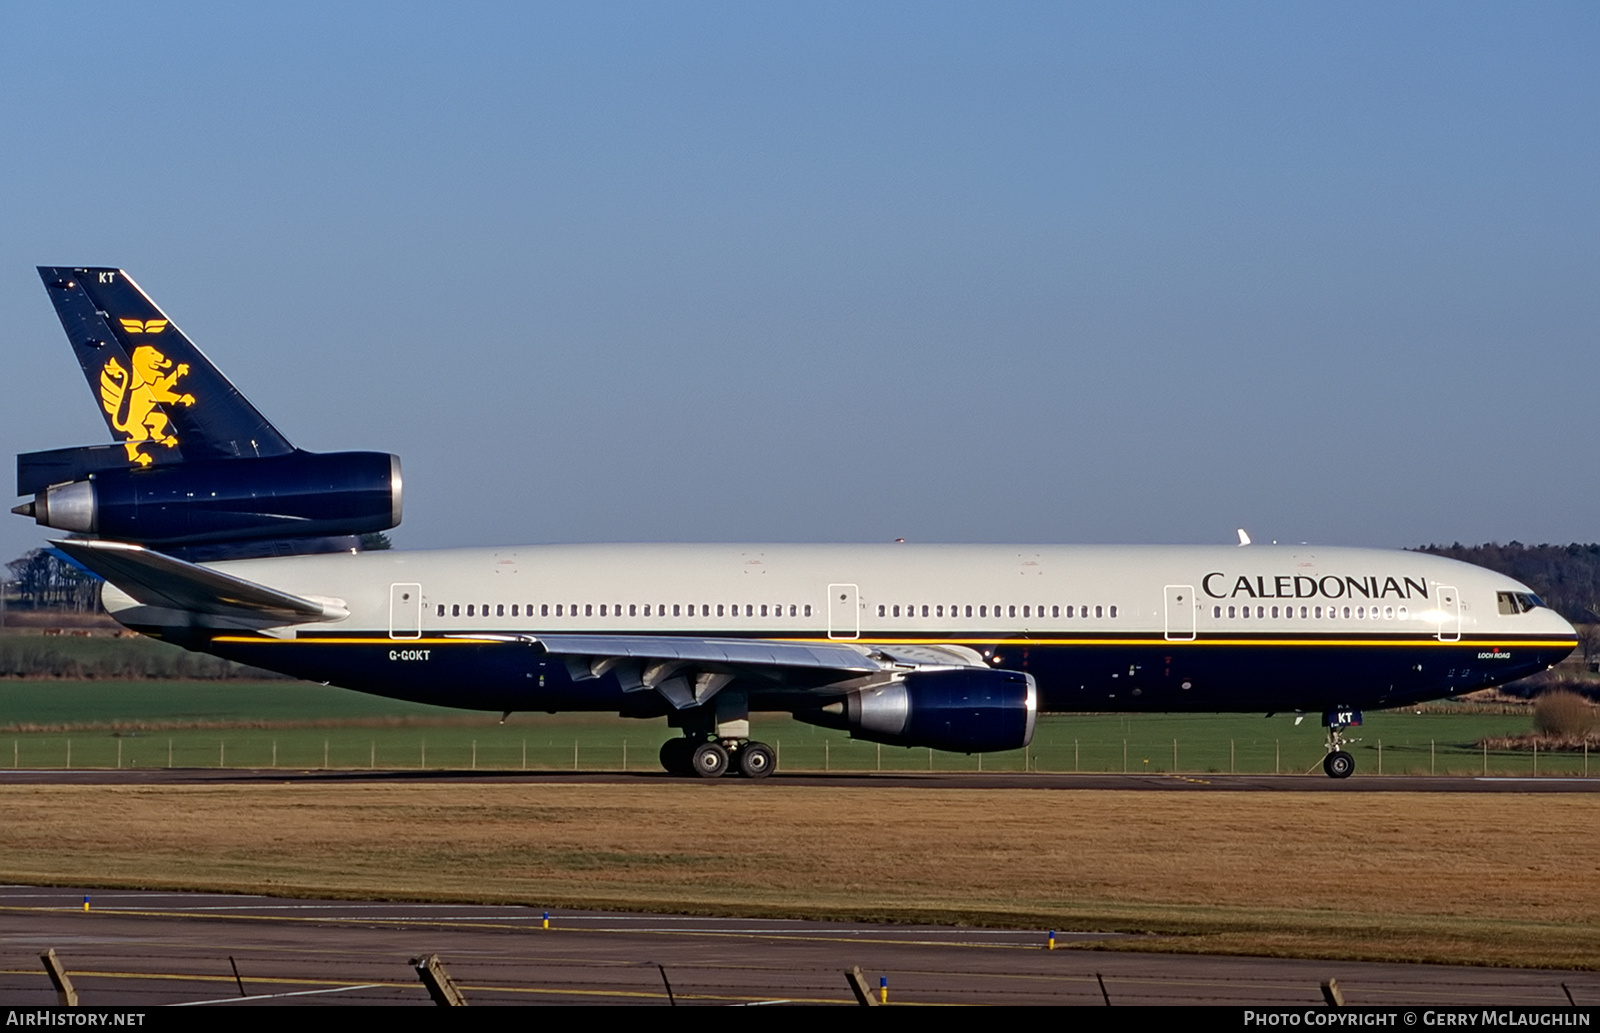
<point>688,671</point>
<point>156,579</point>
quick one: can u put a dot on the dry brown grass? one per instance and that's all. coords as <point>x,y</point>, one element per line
<point>1563,713</point>
<point>1486,878</point>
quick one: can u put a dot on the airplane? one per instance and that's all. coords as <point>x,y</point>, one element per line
<point>950,647</point>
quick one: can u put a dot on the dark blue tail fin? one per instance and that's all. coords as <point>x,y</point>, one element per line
<point>160,396</point>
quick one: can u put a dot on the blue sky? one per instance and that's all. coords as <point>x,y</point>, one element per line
<point>812,272</point>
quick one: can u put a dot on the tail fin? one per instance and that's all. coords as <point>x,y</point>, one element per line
<point>160,396</point>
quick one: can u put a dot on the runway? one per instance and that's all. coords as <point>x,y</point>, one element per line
<point>144,949</point>
<point>967,780</point>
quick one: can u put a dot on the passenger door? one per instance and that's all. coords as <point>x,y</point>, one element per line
<point>405,610</point>
<point>1181,608</point>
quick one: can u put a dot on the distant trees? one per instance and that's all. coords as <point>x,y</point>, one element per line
<point>41,580</point>
<point>1567,577</point>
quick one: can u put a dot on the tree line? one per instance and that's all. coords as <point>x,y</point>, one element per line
<point>1566,577</point>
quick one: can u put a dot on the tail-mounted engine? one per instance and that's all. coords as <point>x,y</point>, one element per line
<point>299,495</point>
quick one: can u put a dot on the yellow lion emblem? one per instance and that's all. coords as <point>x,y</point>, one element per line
<point>133,399</point>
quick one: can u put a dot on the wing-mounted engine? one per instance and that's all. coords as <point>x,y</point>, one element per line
<point>963,710</point>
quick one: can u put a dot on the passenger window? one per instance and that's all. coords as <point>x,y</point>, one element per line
<point>1113,613</point>
<point>470,609</point>
<point>924,610</point>
<point>1216,611</point>
<point>677,610</point>
<point>792,611</point>
<point>969,611</point>
<point>808,609</point>
<point>720,609</point>
<point>1347,613</point>
<point>1388,613</point>
<point>897,609</point>
<point>938,611</point>
<point>1011,611</point>
<point>544,609</point>
<point>1055,611</point>
<point>1097,611</point>
<point>588,609</point>
<point>1303,612</point>
<point>1230,612</point>
<point>983,611</point>
<point>441,609</point>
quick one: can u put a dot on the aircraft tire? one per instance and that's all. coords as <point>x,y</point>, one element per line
<point>675,756</point>
<point>1339,764</point>
<point>756,760</point>
<point>709,760</point>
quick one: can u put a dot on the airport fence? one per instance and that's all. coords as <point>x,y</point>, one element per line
<point>1059,747</point>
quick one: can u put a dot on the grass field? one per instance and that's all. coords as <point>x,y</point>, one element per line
<point>237,723</point>
<point>1479,878</point>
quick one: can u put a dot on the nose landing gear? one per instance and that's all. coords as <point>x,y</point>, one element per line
<point>1339,763</point>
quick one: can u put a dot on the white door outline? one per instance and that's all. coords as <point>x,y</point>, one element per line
<point>1450,607</point>
<point>1181,609</point>
<point>405,610</point>
<point>844,611</point>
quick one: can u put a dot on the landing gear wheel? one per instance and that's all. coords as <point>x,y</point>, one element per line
<point>756,760</point>
<point>1338,764</point>
<point>709,760</point>
<point>675,756</point>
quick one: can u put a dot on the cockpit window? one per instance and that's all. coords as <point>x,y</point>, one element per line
<point>1517,602</point>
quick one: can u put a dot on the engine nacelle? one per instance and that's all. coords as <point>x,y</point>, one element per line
<point>963,710</point>
<point>299,495</point>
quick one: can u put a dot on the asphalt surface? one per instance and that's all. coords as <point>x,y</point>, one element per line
<point>996,780</point>
<point>144,949</point>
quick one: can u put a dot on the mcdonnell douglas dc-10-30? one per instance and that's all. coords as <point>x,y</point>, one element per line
<point>212,531</point>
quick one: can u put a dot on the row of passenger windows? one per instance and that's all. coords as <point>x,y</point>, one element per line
<point>608,610</point>
<point>1314,612</point>
<point>758,610</point>
<point>983,611</point>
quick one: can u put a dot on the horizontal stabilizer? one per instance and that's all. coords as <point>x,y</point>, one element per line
<point>156,579</point>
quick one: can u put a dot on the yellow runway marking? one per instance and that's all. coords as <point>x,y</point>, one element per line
<point>445,923</point>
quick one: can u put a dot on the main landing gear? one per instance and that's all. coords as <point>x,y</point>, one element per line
<point>713,758</point>
<point>716,740</point>
<point>1339,763</point>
